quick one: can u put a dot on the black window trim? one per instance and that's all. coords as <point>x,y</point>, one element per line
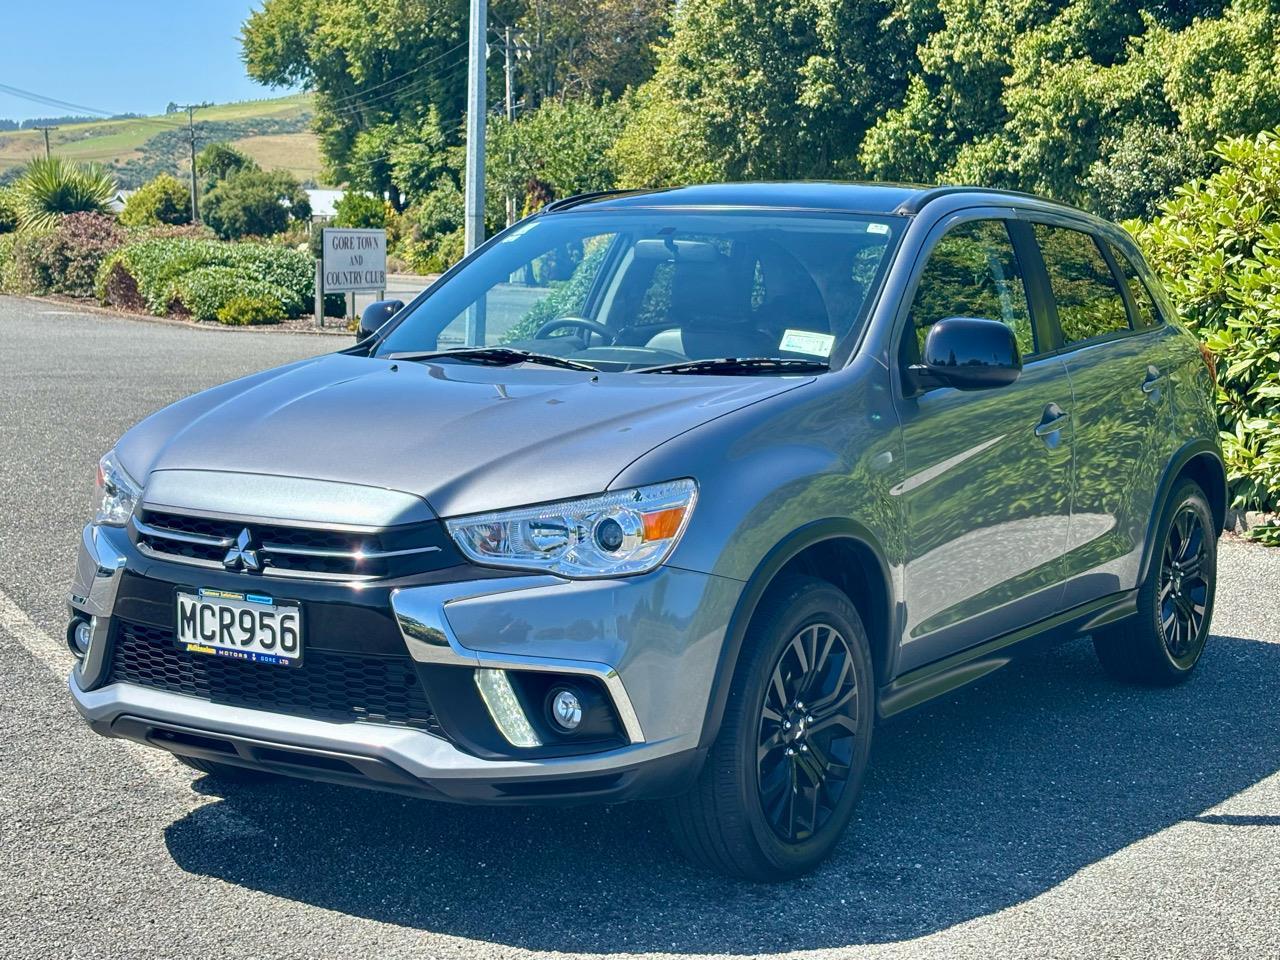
<point>1113,252</point>
<point>1041,329</point>
<point>1032,217</point>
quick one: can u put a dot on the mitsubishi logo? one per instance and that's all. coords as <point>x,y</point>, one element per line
<point>242,555</point>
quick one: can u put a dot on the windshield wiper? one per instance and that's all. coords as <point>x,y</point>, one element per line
<point>731,365</point>
<point>498,356</point>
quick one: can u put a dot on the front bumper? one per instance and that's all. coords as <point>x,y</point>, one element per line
<point>652,642</point>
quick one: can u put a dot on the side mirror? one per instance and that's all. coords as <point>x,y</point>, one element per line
<point>968,353</point>
<point>375,315</point>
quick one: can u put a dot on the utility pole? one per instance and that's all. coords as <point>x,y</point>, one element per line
<point>477,111</point>
<point>46,140</point>
<point>511,114</point>
<point>191,138</point>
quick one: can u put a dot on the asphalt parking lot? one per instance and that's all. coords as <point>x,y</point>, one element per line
<point>1045,812</point>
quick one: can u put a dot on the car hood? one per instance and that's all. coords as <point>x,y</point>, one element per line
<point>463,437</point>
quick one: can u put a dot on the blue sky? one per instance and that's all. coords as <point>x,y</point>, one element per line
<point>127,56</point>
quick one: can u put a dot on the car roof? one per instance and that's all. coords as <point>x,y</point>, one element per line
<point>886,199</point>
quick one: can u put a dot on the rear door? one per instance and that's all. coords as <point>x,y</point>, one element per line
<point>1119,408</point>
<point>987,476</point>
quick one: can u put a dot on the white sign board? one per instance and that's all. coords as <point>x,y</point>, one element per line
<point>354,260</point>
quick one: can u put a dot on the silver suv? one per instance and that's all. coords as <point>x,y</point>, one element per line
<point>666,494</point>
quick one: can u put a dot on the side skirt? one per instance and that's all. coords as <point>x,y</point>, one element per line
<point>942,676</point>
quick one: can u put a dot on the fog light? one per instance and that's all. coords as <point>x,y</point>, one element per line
<point>82,636</point>
<point>566,709</point>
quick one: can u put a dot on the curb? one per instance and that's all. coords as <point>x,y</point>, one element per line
<point>92,309</point>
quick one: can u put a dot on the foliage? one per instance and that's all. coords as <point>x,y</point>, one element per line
<point>355,209</point>
<point>66,259</point>
<point>1216,246</point>
<point>254,203</point>
<point>244,310</point>
<point>1141,168</point>
<point>566,299</point>
<point>164,199</point>
<point>142,275</point>
<point>218,161</point>
<point>10,211</point>
<point>435,240</point>
<point>18,271</point>
<point>204,292</point>
<point>50,188</point>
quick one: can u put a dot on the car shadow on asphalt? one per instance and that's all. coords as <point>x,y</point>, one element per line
<point>974,803</point>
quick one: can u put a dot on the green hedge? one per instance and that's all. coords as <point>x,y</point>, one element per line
<point>202,293</point>
<point>143,275</point>
<point>245,310</point>
<point>1216,247</point>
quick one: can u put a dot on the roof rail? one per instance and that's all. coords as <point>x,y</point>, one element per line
<point>916,202</point>
<point>565,203</point>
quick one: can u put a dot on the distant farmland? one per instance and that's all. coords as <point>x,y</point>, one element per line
<point>275,132</point>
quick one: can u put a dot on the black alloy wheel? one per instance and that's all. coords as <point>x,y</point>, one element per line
<point>806,733</point>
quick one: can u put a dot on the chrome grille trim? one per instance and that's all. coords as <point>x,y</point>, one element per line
<point>343,554</point>
<point>164,533</point>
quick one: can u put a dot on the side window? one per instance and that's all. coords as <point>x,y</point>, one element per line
<point>1146,312</point>
<point>973,271</point>
<point>1089,300</point>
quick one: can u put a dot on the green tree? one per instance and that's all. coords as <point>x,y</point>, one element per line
<point>164,199</point>
<point>770,90</point>
<point>218,161</point>
<point>355,209</point>
<point>254,203</point>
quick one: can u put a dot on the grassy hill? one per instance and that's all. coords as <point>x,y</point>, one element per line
<point>274,132</point>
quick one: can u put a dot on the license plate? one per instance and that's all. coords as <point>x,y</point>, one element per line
<point>242,626</point>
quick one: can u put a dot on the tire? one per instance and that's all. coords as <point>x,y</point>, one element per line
<point>741,817</point>
<point>225,772</point>
<point>1162,643</point>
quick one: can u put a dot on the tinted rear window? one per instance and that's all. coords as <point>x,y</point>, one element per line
<point>1084,288</point>
<point>1146,314</point>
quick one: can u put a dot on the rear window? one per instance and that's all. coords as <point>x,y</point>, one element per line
<point>1084,288</point>
<point>1146,314</point>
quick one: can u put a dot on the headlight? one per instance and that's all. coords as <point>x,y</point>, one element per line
<point>117,492</point>
<point>627,531</point>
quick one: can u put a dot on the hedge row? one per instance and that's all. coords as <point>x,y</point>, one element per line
<point>199,277</point>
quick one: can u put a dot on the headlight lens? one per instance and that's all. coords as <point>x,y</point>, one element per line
<point>623,532</point>
<point>117,492</point>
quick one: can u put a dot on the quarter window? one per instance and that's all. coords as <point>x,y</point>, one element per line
<point>1146,314</point>
<point>973,271</point>
<point>1084,288</point>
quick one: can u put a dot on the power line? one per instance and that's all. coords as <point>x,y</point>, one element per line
<point>422,66</point>
<point>352,110</point>
<point>51,101</point>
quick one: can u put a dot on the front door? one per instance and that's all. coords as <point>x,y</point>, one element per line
<point>986,493</point>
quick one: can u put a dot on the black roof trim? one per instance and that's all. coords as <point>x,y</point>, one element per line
<point>566,203</point>
<point>916,202</point>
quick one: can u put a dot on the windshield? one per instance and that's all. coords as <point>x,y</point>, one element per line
<point>629,290</point>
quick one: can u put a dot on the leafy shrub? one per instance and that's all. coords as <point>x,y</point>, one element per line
<point>204,292</point>
<point>22,274</point>
<point>141,275</point>
<point>356,209</point>
<point>218,161</point>
<point>244,310</point>
<point>436,239</point>
<point>7,242</point>
<point>1216,246</point>
<point>10,213</point>
<point>255,203</point>
<point>50,188</point>
<point>66,260</point>
<point>162,200</point>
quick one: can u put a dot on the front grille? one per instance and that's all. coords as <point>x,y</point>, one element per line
<point>338,687</point>
<point>290,551</point>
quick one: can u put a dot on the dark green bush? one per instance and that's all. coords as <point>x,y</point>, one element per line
<point>436,238</point>
<point>141,275</point>
<point>254,203</point>
<point>164,200</point>
<point>10,214</point>
<point>21,272</point>
<point>356,209</point>
<point>204,292</point>
<point>244,310</point>
<point>218,161</point>
<point>1216,246</point>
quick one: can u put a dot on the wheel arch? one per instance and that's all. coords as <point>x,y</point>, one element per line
<point>839,550</point>
<point>1198,460</point>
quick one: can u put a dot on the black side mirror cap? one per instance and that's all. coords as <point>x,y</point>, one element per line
<point>375,315</point>
<point>968,353</point>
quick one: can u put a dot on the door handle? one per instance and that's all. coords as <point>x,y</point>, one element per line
<point>1053,420</point>
<point>1152,383</point>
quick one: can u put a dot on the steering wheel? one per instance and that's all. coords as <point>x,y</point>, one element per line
<point>581,323</point>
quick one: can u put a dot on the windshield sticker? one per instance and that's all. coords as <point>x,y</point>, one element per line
<point>877,228</point>
<point>805,341</point>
